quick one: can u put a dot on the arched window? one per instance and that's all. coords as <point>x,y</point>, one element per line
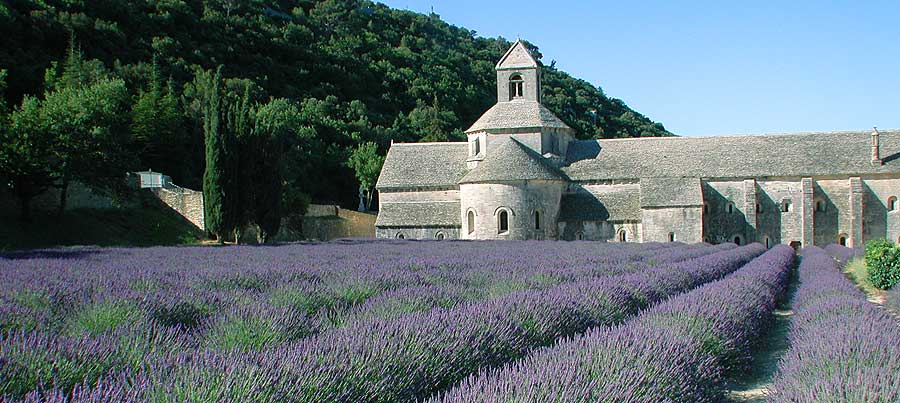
<point>671,237</point>
<point>623,235</point>
<point>400,235</point>
<point>892,203</point>
<point>768,242</point>
<point>503,222</point>
<point>537,219</point>
<point>579,236</point>
<point>439,236</point>
<point>842,240</point>
<point>820,206</point>
<point>476,146</point>
<point>785,205</point>
<point>758,208</point>
<point>470,221</point>
<point>729,208</point>
<point>738,240</point>
<point>516,86</point>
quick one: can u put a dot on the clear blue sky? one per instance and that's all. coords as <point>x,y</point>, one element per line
<point>714,67</point>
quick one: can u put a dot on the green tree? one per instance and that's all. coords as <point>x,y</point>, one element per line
<point>366,163</point>
<point>209,90</point>
<point>26,154</point>
<point>156,127</point>
<point>275,123</point>
<point>73,134</point>
<point>90,141</point>
<point>2,94</point>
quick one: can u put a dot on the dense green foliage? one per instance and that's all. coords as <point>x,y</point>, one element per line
<point>360,72</point>
<point>883,263</point>
<point>76,132</point>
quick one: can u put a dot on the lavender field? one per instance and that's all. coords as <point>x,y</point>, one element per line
<point>388,321</point>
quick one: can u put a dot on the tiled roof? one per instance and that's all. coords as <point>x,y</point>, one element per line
<point>512,161</point>
<point>419,214</point>
<point>517,114</point>
<point>805,154</point>
<point>615,204</point>
<point>423,165</point>
<point>671,192</point>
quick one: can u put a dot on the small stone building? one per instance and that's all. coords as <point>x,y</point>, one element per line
<point>523,175</point>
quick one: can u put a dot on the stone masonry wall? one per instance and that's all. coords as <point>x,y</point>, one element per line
<point>878,222</point>
<point>778,226</point>
<point>832,215</point>
<point>521,199</point>
<point>686,223</point>
<point>726,212</point>
<point>345,224</point>
<point>186,202</point>
<point>417,233</point>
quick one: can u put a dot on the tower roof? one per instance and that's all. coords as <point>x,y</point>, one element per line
<point>517,57</point>
<point>518,114</point>
<point>512,161</point>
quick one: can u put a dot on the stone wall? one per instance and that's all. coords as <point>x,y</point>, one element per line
<point>778,226</point>
<point>436,233</point>
<point>343,224</point>
<point>684,224</point>
<point>726,212</point>
<point>600,231</point>
<point>186,202</point>
<point>832,215</point>
<point>419,196</point>
<point>878,222</point>
<point>520,200</point>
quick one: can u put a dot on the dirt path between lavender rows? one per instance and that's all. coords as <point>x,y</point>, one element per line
<point>751,385</point>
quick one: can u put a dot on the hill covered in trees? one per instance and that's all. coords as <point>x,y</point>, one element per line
<point>335,80</point>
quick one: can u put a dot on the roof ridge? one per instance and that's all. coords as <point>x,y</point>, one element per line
<point>732,136</point>
<point>430,143</point>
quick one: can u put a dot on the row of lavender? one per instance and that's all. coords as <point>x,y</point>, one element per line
<point>379,360</point>
<point>312,285</point>
<point>843,348</point>
<point>677,351</point>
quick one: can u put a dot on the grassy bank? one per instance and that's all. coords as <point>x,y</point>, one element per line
<point>102,227</point>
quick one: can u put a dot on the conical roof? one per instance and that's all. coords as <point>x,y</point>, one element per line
<point>517,115</point>
<point>512,161</point>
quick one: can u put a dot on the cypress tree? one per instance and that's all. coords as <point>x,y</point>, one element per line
<point>214,176</point>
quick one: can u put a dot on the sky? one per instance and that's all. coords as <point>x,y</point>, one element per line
<point>714,67</point>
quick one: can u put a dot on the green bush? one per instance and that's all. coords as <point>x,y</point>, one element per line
<point>883,263</point>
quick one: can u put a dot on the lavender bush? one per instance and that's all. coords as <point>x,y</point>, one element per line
<point>354,321</point>
<point>843,348</point>
<point>674,352</point>
<point>200,324</point>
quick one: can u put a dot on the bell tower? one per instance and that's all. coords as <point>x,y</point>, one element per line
<point>518,75</point>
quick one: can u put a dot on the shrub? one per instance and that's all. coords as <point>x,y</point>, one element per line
<point>883,263</point>
<point>843,348</point>
<point>677,351</point>
<point>105,316</point>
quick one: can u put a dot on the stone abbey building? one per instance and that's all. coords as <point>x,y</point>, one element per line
<point>523,175</point>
